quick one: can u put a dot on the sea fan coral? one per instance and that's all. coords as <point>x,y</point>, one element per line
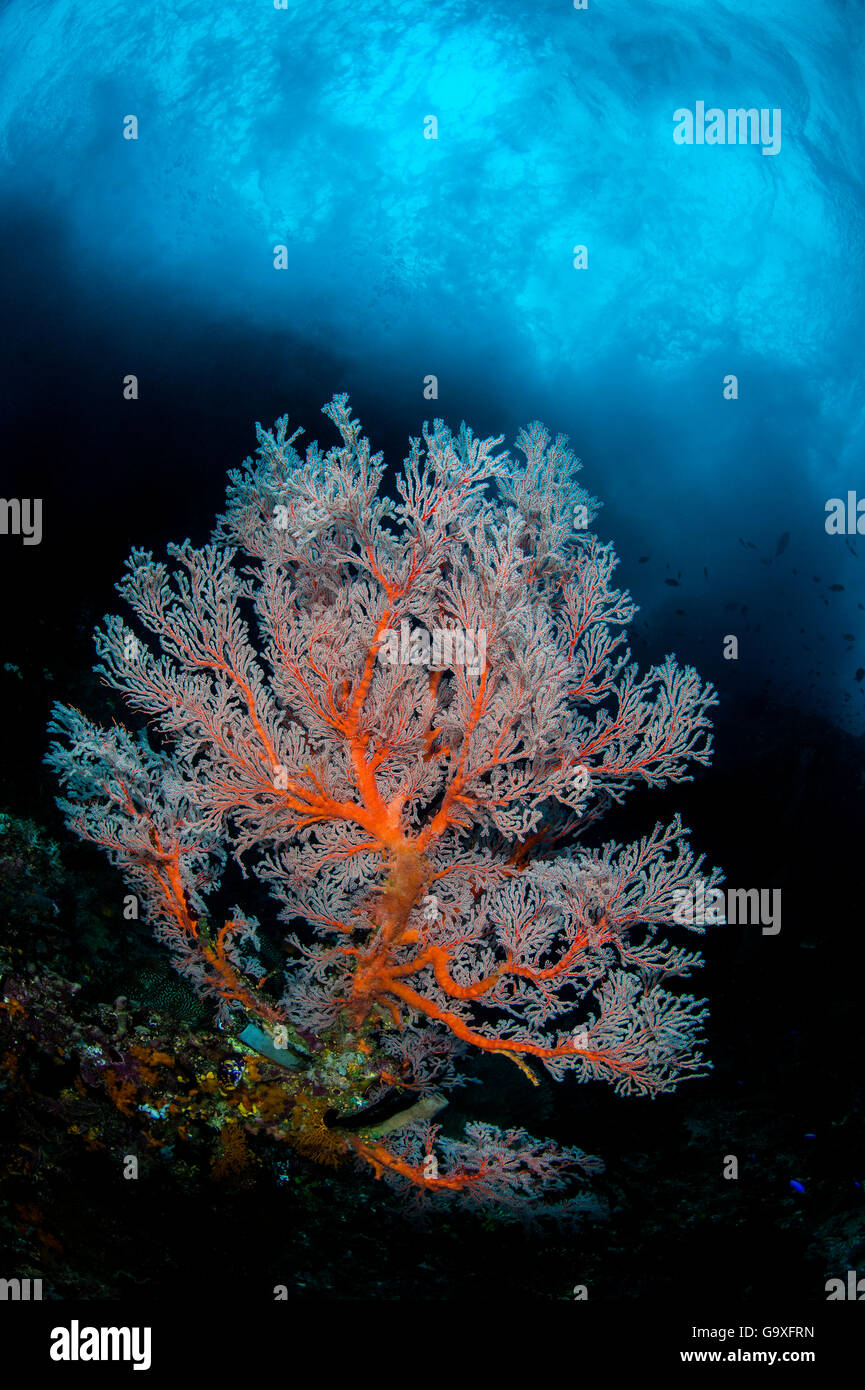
<point>412,751</point>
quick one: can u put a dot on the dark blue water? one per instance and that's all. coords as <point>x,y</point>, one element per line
<point>409,256</point>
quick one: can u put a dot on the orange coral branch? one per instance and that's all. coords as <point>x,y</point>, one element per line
<point>380,1158</point>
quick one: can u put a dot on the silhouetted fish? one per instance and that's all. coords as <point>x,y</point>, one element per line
<point>783,542</point>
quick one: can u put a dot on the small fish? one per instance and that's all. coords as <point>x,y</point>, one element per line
<point>836,588</point>
<point>847,636</point>
<point>851,547</point>
<point>860,674</point>
<point>680,613</point>
<point>783,542</point>
<point>673,583</point>
<point>643,560</point>
<point>706,571</point>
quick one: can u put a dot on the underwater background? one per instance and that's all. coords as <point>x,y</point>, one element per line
<point>454,257</point>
